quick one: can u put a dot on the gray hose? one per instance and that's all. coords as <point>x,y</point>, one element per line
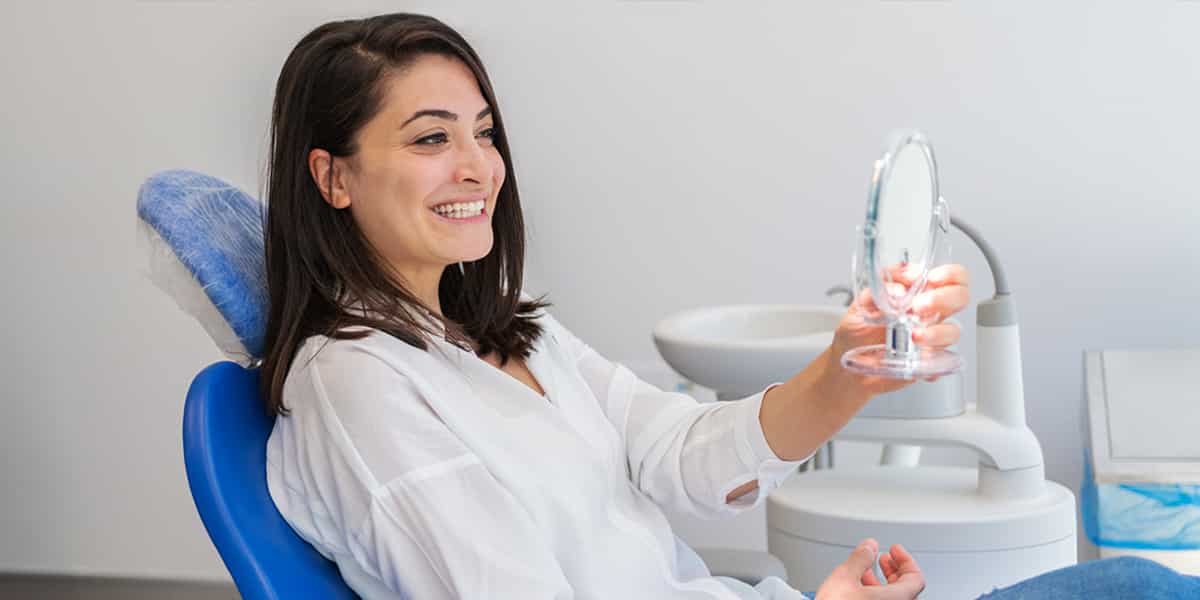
<point>998,276</point>
<point>842,289</point>
<point>988,253</point>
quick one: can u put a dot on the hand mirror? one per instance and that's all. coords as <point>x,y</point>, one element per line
<point>900,241</point>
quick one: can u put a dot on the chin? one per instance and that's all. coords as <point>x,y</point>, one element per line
<point>473,253</point>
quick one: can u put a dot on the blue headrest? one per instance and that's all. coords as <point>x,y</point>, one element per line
<point>206,240</point>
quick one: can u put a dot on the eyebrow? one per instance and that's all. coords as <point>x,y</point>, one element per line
<point>444,114</point>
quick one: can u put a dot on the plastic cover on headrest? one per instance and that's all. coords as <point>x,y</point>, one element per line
<point>203,239</point>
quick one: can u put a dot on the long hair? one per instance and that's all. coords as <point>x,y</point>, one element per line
<point>323,275</point>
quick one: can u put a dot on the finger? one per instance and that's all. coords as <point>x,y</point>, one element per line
<point>905,563</point>
<point>902,589</point>
<point>944,275</point>
<point>862,558</point>
<point>907,274</point>
<point>865,301</point>
<point>869,578</point>
<point>943,301</point>
<point>902,572</point>
<point>888,565</point>
<point>938,336</point>
<point>904,273</point>
<point>864,309</point>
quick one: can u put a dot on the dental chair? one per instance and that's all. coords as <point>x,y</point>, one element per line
<point>204,240</point>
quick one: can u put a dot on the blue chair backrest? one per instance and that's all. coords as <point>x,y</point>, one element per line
<point>225,430</point>
<point>215,231</point>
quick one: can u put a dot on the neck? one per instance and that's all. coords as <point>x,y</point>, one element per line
<point>423,284</point>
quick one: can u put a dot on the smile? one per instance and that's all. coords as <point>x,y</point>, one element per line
<point>461,212</point>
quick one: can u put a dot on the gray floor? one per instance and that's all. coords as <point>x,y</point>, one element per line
<point>107,588</point>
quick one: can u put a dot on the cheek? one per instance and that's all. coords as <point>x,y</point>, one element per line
<point>498,171</point>
<point>394,204</point>
<point>408,188</point>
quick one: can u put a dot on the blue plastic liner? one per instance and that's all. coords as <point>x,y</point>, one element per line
<point>1149,516</point>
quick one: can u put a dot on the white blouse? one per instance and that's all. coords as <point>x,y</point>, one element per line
<point>430,475</point>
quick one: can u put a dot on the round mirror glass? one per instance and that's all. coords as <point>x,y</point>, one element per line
<point>900,237</point>
<point>904,237</point>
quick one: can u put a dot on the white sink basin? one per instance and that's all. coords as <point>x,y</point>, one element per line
<point>739,350</point>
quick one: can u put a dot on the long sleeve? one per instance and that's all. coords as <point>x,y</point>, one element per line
<point>681,453</point>
<point>394,497</point>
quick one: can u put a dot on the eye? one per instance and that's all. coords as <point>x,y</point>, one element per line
<point>432,140</point>
<point>489,133</point>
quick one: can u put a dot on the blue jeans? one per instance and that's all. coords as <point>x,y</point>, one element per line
<point>1124,578</point>
<point>1108,579</point>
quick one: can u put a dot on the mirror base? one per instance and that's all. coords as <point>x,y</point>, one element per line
<point>881,361</point>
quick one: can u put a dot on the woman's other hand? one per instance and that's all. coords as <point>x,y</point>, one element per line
<point>855,579</point>
<point>946,293</point>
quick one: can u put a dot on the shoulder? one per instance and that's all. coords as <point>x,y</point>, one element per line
<point>560,335</point>
<point>328,354</point>
<point>374,350</point>
<point>344,376</point>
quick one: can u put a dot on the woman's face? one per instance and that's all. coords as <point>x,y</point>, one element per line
<point>424,169</point>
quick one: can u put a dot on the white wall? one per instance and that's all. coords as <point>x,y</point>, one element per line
<point>670,155</point>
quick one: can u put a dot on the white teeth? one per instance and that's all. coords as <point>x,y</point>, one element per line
<point>460,210</point>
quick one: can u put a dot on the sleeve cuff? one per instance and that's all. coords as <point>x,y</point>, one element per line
<point>756,453</point>
<point>753,435</point>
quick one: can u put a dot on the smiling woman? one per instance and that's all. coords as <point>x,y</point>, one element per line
<point>389,162</point>
<point>439,435</point>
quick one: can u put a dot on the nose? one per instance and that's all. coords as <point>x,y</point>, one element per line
<point>472,163</point>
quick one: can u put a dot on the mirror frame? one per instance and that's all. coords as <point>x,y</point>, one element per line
<point>870,231</point>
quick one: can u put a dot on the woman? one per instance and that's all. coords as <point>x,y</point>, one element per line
<point>442,436</point>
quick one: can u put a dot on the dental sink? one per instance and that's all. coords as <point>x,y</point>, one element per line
<point>739,350</point>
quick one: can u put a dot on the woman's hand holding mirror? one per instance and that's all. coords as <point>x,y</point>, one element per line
<point>863,325</point>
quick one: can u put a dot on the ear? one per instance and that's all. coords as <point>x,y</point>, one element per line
<point>329,174</point>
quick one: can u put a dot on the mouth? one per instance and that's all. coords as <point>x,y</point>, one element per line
<point>462,212</point>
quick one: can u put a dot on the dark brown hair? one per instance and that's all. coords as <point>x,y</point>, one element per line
<point>323,275</point>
